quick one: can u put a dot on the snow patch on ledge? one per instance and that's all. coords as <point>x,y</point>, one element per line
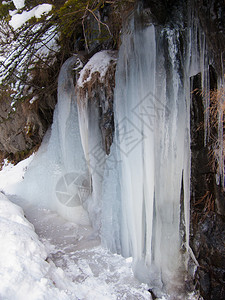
<point>19,3</point>
<point>18,20</point>
<point>100,63</point>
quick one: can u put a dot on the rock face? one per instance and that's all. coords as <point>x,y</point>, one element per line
<point>207,202</point>
<point>207,198</point>
<point>212,17</point>
<point>23,126</point>
<point>96,85</point>
<point>23,123</point>
<point>208,245</point>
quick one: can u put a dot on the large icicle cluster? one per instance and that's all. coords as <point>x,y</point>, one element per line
<point>152,146</point>
<point>57,177</point>
<point>146,196</point>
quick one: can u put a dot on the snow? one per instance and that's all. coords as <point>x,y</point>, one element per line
<point>11,174</point>
<point>18,20</point>
<point>13,53</point>
<point>98,63</point>
<point>19,3</point>
<point>33,99</point>
<point>61,260</point>
<point>24,269</point>
<point>47,45</point>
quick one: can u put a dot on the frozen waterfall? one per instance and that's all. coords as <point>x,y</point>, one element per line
<point>152,146</point>
<point>146,194</point>
<point>58,177</point>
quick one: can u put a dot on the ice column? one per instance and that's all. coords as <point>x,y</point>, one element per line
<point>152,149</point>
<point>58,177</point>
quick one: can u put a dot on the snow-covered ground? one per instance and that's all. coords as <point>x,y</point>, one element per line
<point>53,258</point>
<point>25,270</point>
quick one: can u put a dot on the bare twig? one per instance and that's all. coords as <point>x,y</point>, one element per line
<point>85,37</point>
<point>99,21</point>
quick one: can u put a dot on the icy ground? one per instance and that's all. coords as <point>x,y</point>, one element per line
<point>61,260</point>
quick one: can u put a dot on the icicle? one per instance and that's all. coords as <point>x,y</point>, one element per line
<point>57,178</point>
<point>94,73</point>
<point>152,143</point>
<point>220,119</point>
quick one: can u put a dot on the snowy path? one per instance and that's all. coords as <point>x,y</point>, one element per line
<point>69,263</point>
<point>76,250</point>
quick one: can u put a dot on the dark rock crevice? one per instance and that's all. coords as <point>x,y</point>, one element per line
<point>207,224</point>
